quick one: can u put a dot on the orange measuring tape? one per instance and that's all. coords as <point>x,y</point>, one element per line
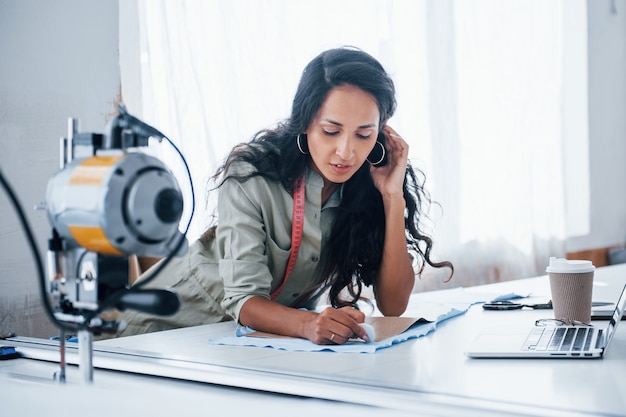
<point>297,225</point>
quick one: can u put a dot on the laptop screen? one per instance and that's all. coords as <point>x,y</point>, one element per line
<point>617,316</point>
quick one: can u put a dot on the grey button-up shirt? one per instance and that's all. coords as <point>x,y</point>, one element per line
<point>254,240</point>
<point>247,256</point>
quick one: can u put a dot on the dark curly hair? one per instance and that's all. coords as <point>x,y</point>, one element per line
<point>356,243</point>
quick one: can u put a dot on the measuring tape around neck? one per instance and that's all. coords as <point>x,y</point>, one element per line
<point>297,225</point>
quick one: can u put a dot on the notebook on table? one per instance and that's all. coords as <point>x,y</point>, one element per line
<point>548,341</point>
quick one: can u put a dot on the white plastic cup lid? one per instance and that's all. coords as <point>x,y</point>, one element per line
<point>560,265</point>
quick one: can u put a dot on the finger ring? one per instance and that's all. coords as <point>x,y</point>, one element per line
<point>332,337</point>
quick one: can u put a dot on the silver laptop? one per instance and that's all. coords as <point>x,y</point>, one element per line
<point>549,341</point>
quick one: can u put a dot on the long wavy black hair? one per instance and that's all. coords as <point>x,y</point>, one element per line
<point>355,246</point>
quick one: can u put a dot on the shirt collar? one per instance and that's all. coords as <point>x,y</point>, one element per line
<point>315,180</point>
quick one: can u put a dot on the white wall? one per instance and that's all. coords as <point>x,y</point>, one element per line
<point>607,125</point>
<point>60,59</point>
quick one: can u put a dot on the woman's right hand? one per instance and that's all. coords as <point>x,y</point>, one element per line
<point>331,326</point>
<point>336,326</point>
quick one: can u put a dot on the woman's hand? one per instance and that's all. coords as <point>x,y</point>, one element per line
<point>331,326</point>
<point>389,178</point>
<point>396,276</point>
<point>336,326</point>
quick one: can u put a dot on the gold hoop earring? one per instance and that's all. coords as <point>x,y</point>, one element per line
<point>382,156</point>
<point>300,146</point>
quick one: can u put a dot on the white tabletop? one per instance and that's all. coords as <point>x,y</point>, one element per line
<point>430,375</point>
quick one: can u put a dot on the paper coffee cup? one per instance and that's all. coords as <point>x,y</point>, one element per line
<point>571,285</point>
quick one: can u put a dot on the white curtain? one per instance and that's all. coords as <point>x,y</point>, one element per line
<point>491,97</point>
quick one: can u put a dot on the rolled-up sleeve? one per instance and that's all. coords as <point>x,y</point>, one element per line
<point>253,238</point>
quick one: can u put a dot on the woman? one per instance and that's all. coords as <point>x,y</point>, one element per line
<point>342,175</point>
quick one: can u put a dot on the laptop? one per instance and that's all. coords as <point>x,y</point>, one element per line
<point>573,342</point>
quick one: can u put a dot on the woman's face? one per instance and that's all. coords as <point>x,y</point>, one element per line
<point>343,133</point>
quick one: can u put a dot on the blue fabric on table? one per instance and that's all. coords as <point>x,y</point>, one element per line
<point>419,329</point>
<point>455,304</point>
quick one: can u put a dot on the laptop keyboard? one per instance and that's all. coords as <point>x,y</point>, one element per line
<point>560,339</point>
